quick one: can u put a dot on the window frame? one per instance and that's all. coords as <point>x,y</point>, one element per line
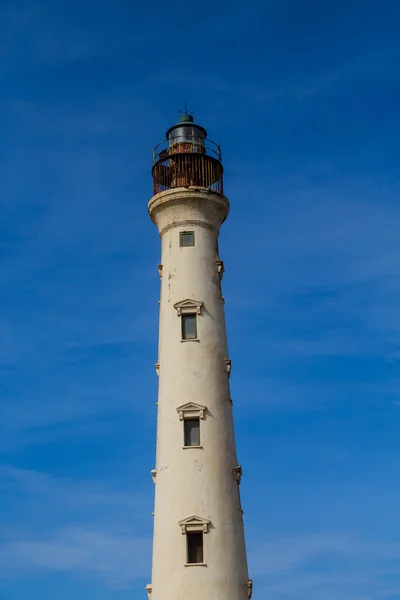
<point>198,525</point>
<point>185,436</point>
<point>189,307</point>
<point>191,411</point>
<point>190,536</point>
<point>181,236</point>
<point>185,316</point>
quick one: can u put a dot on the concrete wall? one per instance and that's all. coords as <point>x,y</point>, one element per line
<point>197,482</point>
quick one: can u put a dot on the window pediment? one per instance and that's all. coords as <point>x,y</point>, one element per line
<point>191,410</point>
<point>238,473</point>
<point>194,523</point>
<point>188,306</point>
<point>220,268</point>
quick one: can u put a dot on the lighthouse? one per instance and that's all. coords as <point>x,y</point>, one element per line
<point>198,543</point>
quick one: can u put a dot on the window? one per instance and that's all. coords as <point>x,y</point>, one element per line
<point>194,528</point>
<point>186,238</point>
<point>191,428</point>
<point>187,310</point>
<point>195,553</point>
<point>189,327</point>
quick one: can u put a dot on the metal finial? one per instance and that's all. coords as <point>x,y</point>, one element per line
<point>185,110</point>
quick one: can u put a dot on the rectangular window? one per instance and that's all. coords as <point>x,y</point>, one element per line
<point>191,432</point>
<point>195,553</point>
<point>186,238</point>
<point>189,327</point>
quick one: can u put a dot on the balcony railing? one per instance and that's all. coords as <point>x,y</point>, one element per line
<point>185,163</point>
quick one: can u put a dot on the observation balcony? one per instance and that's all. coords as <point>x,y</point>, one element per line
<point>187,158</point>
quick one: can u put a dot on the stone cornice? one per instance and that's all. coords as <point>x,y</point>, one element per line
<point>207,208</point>
<point>194,523</point>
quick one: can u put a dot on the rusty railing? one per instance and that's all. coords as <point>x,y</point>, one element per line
<point>189,163</point>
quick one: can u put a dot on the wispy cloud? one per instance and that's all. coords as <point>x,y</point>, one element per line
<point>100,533</point>
<point>305,106</point>
<point>326,566</point>
<point>68,493</point>
<point>116,559</point>
<point>332,268</point>
<point>64,241</point>
<point>53,38</point>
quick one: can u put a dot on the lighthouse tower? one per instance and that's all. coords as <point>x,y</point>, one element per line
<point>198,547</point>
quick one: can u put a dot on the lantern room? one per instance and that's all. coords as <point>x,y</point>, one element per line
<point>187,158</point>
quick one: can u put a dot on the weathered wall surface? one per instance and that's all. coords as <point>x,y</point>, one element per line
<point>197,482</point>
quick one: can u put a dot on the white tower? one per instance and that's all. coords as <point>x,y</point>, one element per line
<point>198,547</point>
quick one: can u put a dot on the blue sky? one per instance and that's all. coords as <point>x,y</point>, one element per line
<point>303,97</point>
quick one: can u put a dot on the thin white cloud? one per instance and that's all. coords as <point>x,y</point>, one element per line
<point>330,270</point>
<point>92,528</point>
<point>52,38</point>
<point>116,559</point>
<point>326,566</point>
<point>70,494</point>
